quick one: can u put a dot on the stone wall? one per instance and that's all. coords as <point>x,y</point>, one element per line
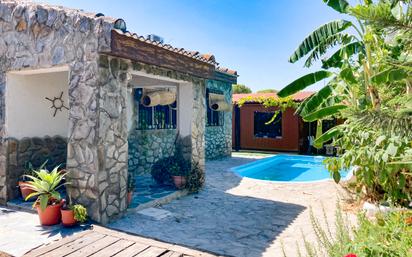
<point>97,151</point>
<point>35,151</point>
<point>37,36</point>
<point>198,124</point>
<point>219,138</point>
<point>147,147</point>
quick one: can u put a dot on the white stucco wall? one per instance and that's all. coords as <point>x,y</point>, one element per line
<point>185,109</point>
<point>28,113</point>
<point>130,109</point>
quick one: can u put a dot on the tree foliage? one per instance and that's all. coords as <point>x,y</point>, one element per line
<point>241,89</point>
<point>267,91</point>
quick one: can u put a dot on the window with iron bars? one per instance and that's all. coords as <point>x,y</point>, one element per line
<point>214,118</point>
<point>156,117</point>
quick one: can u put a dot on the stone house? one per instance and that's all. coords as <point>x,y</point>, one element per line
<point>72,85</point>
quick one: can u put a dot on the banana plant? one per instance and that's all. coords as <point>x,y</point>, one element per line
<point>354,66</point>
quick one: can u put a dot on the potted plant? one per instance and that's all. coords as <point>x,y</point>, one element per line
<point>25,190</point>
<point>178,175</point>
<point>48,203</point>
<point>160,171</point>
<point>73,214</point>
<point>131,185</point>
<point>23,184</point>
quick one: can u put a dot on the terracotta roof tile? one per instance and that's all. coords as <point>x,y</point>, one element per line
<point>207,58</point>
<point>300,96</point>
<point>226,70</point>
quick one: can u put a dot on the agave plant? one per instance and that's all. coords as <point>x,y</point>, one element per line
<point>45,184</point>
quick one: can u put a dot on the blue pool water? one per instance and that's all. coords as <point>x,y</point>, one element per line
<point>287,168</point>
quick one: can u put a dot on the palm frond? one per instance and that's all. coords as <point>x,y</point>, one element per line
<point>324,112</point>
<point>318,36</point>
<point>303,82</point>
<point>314,101</point>
<point>328,135</point>
<point>336,60</point>
<point>382,14</point>
<point>330,42</point>
<point>338,5</point>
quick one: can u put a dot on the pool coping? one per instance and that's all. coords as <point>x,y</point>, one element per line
<point>346,178</point>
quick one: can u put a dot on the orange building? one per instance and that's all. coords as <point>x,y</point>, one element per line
<point>287,133</point>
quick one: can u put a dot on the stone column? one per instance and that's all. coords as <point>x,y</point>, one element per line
<point>114,75</point>
<point>97,145</point>
<point>198,124</point>
<point>82,151</point>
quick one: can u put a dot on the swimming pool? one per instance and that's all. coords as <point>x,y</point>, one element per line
<point>288,168</point>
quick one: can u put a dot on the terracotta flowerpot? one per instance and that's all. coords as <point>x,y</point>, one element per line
<point>68,218</point>
<point>50,216</point>
<point>129,198</point>
<point>24,189</point>
<point>180,181</point>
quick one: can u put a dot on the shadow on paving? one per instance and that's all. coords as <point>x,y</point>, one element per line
<point>20,231</point>
<point>215,220</point>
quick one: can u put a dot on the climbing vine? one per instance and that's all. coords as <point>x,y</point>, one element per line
<point>270,101</point>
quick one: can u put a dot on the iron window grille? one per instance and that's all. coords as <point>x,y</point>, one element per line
<point>271,130</point>
<point>156,117</point>
<point>214,118</point>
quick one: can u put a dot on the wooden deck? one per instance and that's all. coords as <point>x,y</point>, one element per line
<point>102,242</point>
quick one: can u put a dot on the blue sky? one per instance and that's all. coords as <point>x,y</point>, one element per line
<point>254,37</point>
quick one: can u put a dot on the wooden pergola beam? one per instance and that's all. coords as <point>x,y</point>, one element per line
<point>127,47</point>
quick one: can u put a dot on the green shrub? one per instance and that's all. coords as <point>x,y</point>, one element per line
<point>386,235</point>
<point>160,171</point>
<point>378,176</point>
<point>196,179</point>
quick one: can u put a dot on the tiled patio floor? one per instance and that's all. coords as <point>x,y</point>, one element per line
<point>148,190</point>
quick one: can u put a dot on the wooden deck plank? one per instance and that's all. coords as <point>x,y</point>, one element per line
<point>41,251</point>
<point>103,242</point>
<point>132,250</point>
<point>113,249</point>
<point>133,238</point>
<point>152,251</point>
<point>95,247</point>
<point>152,242</point>
<point>172,254</point>
<point>75,245</point>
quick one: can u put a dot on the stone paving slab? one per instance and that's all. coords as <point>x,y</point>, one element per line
<point>155,213</point>
<point>236,216</point>
<point>20,231</point>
